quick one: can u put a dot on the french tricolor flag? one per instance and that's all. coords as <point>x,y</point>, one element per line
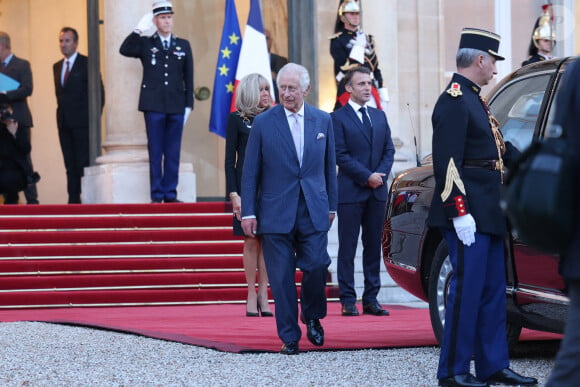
<point>254,57</point>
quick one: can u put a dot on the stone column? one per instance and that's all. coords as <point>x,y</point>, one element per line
<point>122,173</point>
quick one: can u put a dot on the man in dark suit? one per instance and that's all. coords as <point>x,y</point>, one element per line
<point>19,70</point>
<point>71,85</point>
<point>365,155</point>
<point>468,156</point>
<point>290,197</point>
<point>567,369</point>
<point>166,97</point>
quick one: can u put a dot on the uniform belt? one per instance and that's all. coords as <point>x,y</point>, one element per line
<point>485,164</point>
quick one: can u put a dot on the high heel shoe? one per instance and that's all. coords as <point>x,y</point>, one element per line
<point>252,314</point>
<point>264,313</point>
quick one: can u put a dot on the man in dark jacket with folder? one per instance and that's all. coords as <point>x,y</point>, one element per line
<point>18,70</point>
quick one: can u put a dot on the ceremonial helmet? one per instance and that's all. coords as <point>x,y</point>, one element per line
<point>348,6</point>
<point>545,28</point>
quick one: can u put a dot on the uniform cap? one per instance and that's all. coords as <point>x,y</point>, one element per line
<point>160,7</point>
<point>348,6</point>
<point>481,40</point>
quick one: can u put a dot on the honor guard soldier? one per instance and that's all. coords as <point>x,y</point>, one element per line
<point>166,97</point>
<point>350,47</point>
<point>543,38</point>
<point>468,155</point>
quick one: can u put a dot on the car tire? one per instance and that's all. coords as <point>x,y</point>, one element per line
<point>439,280</point>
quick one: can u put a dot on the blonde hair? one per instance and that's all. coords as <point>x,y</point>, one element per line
<point>248,94</point>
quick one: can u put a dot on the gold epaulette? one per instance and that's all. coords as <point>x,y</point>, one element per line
<point>455,90</point>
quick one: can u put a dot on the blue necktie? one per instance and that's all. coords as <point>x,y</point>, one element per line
<point>165,45</point>
<point>366,121</point>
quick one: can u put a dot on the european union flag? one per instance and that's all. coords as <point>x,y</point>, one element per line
<point>225,77</point>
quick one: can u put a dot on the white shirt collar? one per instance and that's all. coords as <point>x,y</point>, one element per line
<point>300,112</point>
<point>71,60</point>
<point>8,59</point>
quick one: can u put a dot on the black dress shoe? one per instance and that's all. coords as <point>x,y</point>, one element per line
<point>156,201</point>
<point>290,348</point>
<point>315,332</point>
<point>466,380</point>
<point>510,378</point>
<point>349,310</point>
<point>172,201</point>
<point>375,309</point>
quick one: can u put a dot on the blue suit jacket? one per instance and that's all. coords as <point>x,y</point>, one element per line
<point>358,156</point>
<point>272,176</point>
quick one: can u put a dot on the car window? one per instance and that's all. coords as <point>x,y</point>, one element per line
<point>517,108</point>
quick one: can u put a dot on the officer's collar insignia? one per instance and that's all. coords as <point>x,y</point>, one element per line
<point>476,89</point>
<point>455,90</point>
<point>154,50</point>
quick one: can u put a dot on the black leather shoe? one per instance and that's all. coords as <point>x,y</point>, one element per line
<point>290,348</point>
<point>314,332</point>
<point>375,309</point>
<point>466,380</point>
<point>510,378</point>
<point>172,201</point>
<point>349,310</point>
<point>156,201</point>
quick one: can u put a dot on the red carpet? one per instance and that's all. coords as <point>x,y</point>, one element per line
<point>225,327</point>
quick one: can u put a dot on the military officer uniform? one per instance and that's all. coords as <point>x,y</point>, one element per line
<point>468,155</point>
<point>166,90</point>
<point>340,45</point>
<point>341,49</point>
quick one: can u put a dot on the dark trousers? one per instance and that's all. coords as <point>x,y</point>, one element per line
<point>351,217</point>
<point>566,372</point>
<point>475,315</point>
<point>305,248</point>
<point>74,143</point>
<point>30,192</point>
<point>11,180</point>
<point>164,133</point>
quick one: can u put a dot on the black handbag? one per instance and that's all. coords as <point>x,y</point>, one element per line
<point>540,198</point>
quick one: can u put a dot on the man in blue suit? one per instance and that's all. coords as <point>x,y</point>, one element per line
<point>365,155</point>
<point>290,198</point>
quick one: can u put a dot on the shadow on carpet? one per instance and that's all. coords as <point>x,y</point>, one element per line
<point>226,328</point>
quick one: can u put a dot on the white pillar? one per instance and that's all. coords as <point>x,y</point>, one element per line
<point>503,27</point>
<point>122,173</point>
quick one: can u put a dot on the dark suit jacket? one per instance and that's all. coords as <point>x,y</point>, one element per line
<point>237,133</point>
<point>167,85</point>
<point>73,99</point>
<point>273,178</point>
<point>358,156</point>
<point>19,69</point>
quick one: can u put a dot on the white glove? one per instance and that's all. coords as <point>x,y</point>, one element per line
<point>361,39</point>
<point>357,53</point>
<point>384,94</point>
<point>145,24</point>
<point>465,229</point>
<point>186,115</point>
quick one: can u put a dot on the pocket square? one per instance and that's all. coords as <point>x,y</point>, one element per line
<point>320,135</point>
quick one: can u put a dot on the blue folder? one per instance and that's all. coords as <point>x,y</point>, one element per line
<point>7,83</point>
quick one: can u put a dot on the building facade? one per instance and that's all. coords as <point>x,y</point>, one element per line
<point>416,43</point>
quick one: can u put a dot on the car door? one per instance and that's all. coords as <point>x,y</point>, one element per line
<point>523,108</point>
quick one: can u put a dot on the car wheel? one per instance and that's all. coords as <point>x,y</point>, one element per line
<point>439,281</point>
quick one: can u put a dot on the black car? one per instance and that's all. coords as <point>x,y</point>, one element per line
<point>416,255</point>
